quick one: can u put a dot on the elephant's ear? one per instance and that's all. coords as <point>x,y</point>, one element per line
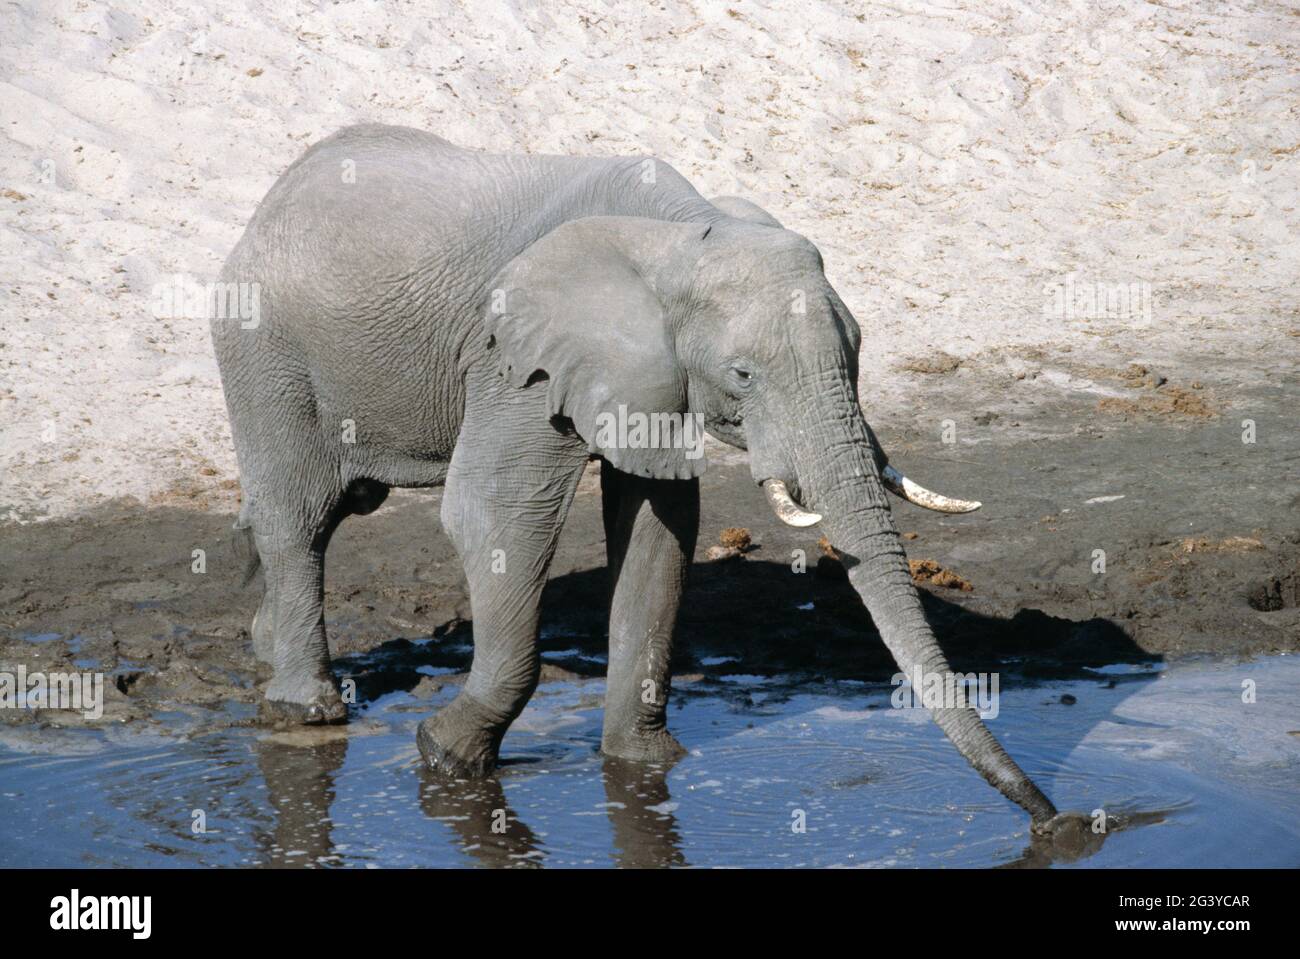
<point>576,307</point>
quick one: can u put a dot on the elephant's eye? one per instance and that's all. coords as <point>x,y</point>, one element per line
<point>742,376</point>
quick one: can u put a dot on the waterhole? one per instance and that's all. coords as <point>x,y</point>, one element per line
<point>1181,771</point>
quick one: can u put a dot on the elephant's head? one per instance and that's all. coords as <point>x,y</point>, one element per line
<point>733,322</point>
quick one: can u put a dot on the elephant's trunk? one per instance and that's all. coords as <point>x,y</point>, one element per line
<point>840,478</point>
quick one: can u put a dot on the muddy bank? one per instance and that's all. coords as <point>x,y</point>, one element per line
<point>1104,538</point>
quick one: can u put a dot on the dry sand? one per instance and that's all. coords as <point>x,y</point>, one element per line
<point>951,161</point>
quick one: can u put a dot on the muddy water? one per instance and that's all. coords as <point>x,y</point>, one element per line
<point>1188,774</point>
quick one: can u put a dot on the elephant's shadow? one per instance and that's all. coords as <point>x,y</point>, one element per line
<point>758,617</point>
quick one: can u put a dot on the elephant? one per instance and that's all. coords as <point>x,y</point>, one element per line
<point>433,315</point>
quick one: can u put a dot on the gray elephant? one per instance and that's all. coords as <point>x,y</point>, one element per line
<point>434,315</point>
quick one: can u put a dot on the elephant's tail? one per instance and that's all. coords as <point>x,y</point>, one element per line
<point>245,545</point>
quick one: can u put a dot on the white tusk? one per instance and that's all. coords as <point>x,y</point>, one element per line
<point>786,509</point>
<point>914,493</point>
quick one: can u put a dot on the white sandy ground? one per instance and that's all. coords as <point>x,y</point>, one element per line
<point>950,159</point>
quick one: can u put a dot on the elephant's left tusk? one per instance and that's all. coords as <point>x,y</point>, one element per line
<point>915,493</point>
<point>786,509</point>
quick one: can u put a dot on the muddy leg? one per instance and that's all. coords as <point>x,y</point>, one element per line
<point>650,530</point>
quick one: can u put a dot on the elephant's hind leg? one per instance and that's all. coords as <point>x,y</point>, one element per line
<point>295,494</point>
<point>361,498</point>
<point>650,531</point>
<point>302,689</point>
<point>289,627</point>
<point>509,486</point>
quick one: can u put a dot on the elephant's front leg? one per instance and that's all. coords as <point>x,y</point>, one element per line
<point>509,486</point>
<point>650,530</point>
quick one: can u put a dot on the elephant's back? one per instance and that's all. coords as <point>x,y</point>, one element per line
<point>371,253</point>
<point>365,203</point>
<point>374,215</point>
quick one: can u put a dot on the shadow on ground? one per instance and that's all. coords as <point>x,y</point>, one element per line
<point>805,629</point>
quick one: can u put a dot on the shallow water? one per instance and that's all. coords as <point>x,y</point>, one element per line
<point>1188,774</point>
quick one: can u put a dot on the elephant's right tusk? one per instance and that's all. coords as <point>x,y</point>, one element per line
<point>786,509</point>
<point>915,493</point>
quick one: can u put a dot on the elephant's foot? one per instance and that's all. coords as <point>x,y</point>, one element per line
<point>304,702</point>
<point>461,740</point>
<point>641,746</point>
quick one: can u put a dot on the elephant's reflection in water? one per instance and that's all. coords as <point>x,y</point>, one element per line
<point>300,783</point>
<point>644,831</point>
<point>300,779</point>
<point>488,829</point>
<point>300,787</point>
<point>1081,838</point>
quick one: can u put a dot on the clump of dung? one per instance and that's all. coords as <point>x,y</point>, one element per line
<point>736,537</point>
<point>930,573</point>
<point>734,542</point>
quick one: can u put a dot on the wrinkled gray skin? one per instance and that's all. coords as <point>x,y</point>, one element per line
<point>470,316</point>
